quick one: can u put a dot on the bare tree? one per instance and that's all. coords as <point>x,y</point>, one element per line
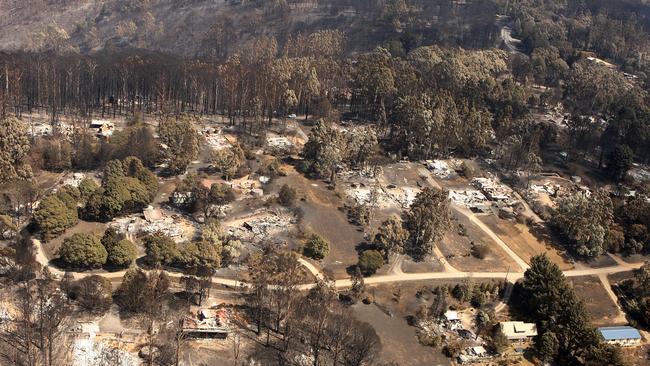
<point>315,315</point>
<point>170,342</point>
<point>236,346</point>
<point>362,347</point>
<point>32,337</point>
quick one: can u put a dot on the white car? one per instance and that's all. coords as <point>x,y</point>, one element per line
<point>292,116</point>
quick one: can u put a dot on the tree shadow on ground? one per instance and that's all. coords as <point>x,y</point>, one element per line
<point>550,238</point>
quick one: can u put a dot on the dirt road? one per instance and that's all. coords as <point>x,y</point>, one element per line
<point>343,283</point>
<point>620,317</point>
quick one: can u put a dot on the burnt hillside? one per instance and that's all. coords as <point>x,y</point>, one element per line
<point>216,27</point>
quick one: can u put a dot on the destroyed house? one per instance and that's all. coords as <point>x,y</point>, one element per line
<point>452,316</point>
<point>493,190</point>
<point>209,323</point>
<point>104,128</point>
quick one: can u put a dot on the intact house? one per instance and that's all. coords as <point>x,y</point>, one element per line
<point>622,336</point>
<point>518,331</point>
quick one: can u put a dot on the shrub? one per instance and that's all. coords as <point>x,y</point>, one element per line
<point>498,342</point>
<point>467,170</point>
<point>93,293</point>
<point>141,291</point>
<point>87,187</point>
<point>480,251</point>
<point>221,194</point>
<point>453,349</point>
<point>110,237</point>
<point>53,216</point>
<point>83,250</point>
<point>161,249</point>
<point>200,254</point>
<point>127,186</point>
<point>316,247</point>
<point>122,253</point>
<point>462,230</point>
<point>270,168</point>
<point>286,196</point>
<point>370,261</point>
<point>430,340</point>
<point>479,298</point>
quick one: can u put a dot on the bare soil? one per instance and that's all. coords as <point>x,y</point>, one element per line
<point>621,276</point>
<point>457,249</point>
<point>602,309</point>
<point>321,215</point>
<point>520,239</point>
<point>398,339</point>
<point>410,266</point>
<point>637,356</point>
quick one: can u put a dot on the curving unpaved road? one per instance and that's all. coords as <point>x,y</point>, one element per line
<point>312,269</point>
<point>512,44</point>
<point>388,278</point>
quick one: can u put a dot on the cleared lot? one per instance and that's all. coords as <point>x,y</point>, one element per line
<point>519,238</point>
<point>457,249</point>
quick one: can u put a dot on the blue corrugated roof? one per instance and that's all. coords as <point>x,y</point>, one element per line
<point>619,333</point>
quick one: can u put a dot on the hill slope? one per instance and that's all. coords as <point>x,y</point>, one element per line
<point>214,27</point>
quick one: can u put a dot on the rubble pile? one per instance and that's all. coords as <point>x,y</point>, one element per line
<point>263,225</point>
<point>470,198</point>
<point>4,314</point>
<point>640,173</point>
<point>363,194</point>
<point>174,226</point>
<point>244,185</point>
<point>444,169</point>
<point>383,197</point>
<point>473,354</point>
<point>7,265</point>
<point>215,139</point>
<point>549,189</point>
<point>449,327</point>
<point>404,196</point>
<point>430,327</point>
<point>40,130</point>
<point>45,129</point>
<point>278,143</point>
<point>91,350</point>
<point>210,322</point>
<point>439,168</point>
<point>74,179</point>
<point>495,191</point>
